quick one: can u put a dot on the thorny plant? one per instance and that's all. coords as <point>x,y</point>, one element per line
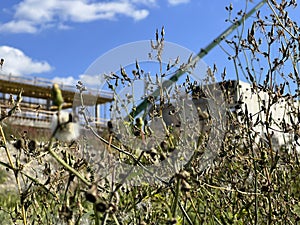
<point>252,181</point>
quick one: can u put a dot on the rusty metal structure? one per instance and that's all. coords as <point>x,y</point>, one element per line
<point>36,106</point>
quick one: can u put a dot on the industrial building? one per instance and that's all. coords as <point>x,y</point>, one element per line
<point>36,105</point>
<point>272,115</point>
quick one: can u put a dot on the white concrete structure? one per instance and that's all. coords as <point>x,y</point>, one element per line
<point>272,115</point>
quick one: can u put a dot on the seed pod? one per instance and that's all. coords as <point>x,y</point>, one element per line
<point>185,186</point>
<point>139,122</point>
<point>19,144</point>
<point>91,194</point>
<point>1,62</point>
<point>101,206</point>
<point>32,145</point>
<point>183,174</point>
<point>57,98</point>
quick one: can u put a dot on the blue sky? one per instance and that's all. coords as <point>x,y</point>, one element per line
<point>59,39</point>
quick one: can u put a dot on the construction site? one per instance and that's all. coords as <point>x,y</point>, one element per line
<point>36,110</point>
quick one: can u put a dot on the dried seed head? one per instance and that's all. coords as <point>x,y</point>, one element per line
<point>19,144</point>
<point>32,145</point>
<point>112,207</point>
<point>139,122</point>
<point>185,186</point>
<point>183,174</point>
<point>1,62</point>
<point>101,206</point>
<point>92,194</point>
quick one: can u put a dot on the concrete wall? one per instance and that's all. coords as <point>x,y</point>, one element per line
<point>256,104</point>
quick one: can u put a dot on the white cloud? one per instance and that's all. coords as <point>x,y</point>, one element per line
<point>177,2</point>
<point>18,26</point>
<point>79,11</point>
<point>32,15</point>
<point>91,80</point>
<point>65,80</point>
<point>62,26</point>
<point>35,10</point>
<point>145,2</point>
<point>88,80</point>
<point>17,63</point>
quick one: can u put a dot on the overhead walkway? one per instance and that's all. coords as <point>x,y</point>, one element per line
<point>36,105</point>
